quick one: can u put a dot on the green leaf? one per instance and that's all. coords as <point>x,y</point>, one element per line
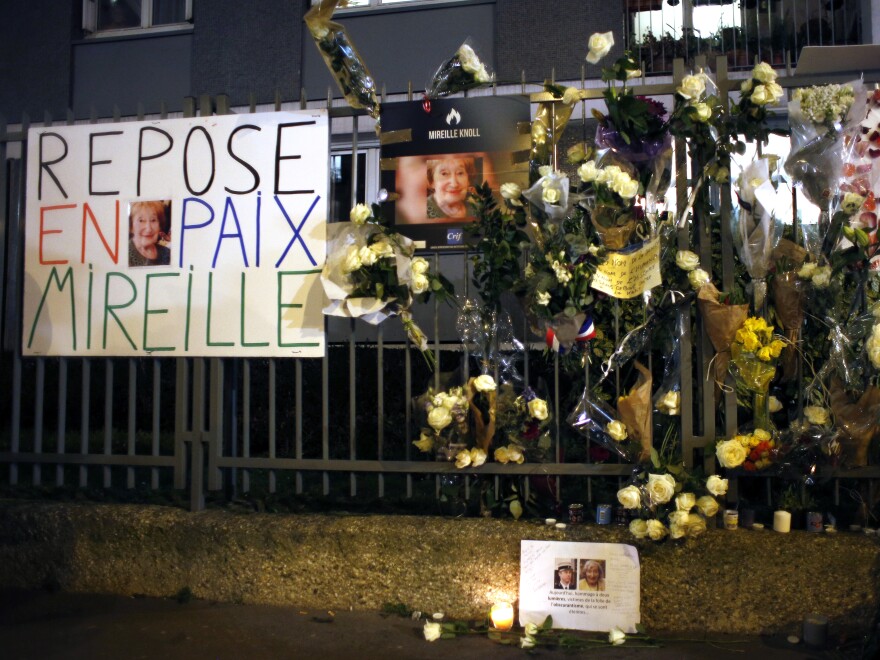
<point>548,623</point>
<point>655,458</point>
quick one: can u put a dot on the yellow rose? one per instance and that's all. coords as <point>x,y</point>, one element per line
<point>425,443</point>
<point>660,488</point>
<point>764,73</point>
<point>807,270</point>
<point>383,249</point>
<point>695,525</point>
<point>484,383</point>
<point>502,455</point>
<point>677,531</point>
<point>761,435</point>
<point>538,409</point>
<point>630,497</point>
<point>730,453</point>
<point>439,418</point>
<point>352,260</point>
<point>638,528</point>
<point>478,457</point>
<point>670,403</point>
<point>776,347</point>
<point>817,415</point>
<point>516,455</point>
<point>750,341</point>
<point>692,87</point>
<point>462,459</point>
<point>359,214</point>
<point>678,518</point>
<point>775,404</point>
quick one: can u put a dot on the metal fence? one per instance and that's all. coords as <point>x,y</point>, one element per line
<point>337,428</point>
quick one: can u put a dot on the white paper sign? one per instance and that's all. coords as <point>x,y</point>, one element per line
<point>202,236</point>
<point>583,586</point>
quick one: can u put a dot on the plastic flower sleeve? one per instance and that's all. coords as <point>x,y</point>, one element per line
<point>342,58</point>
<point>595,419</point>
<point>490,339</point>
<point>551,119</point>
<point>820,117</point>
<point>464,70</point>
<point>667,398</point>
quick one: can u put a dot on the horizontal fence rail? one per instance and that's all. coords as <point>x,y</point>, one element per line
<point>338,426</point>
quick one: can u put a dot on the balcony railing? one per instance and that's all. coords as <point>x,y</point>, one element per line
<point>774,31</point>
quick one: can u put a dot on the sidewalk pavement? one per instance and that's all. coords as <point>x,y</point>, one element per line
<point>42,625</point>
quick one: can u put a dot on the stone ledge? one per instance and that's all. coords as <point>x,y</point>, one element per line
<point>741,582</point>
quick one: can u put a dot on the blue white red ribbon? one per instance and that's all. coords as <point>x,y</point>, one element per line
<point>585,334</point>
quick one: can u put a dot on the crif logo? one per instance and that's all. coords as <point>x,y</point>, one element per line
<point>453,117</point>
<point>454,236</point>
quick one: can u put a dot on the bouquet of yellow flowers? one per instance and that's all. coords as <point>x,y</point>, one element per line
<point>753,355</point>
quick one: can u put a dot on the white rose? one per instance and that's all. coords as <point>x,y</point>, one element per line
<point>633,73</point>
<point>746,86</point>
<point>360,214</point>
<point>599,45</point>
<point>617,430</point>
<point>425,443</point>
<point>660,487</point>
<point>704,112</point>
<point>502,455</point>
<point>775,405</point>
<point>678,519</point>
<point>538,409</point>
<point>730,453</point>
<point>515,454</point>
<point>576,152</point>
<point>616,636</point>
<point>527,642</point>
<point>468,58</point>
<point>478,457</point>
<point>685,501</point>
<point>545,170</point>
<point>670,403</point>
<point>697,278</point>
<point>774,91</point>
<point>638,528</point>
<point>760,95</point>
<point>531,629</point>
<point>630,497</point>
<point>677,531</point>
<point>764,73</point>
<point>551,195</point>
<point>588,171</point>
<point>420,283</point>
<point>432,631</point>
<point>707,505</point>
<point>484,383</point>
<point>621,179</point>
<point>319,31</point>
<point>571,95</point>
<point>716,485</point>
<point>383,249</point>
<point>511,192</point>
<point>419,265</point>
<point>695,525</point>
<point>439,418</point>
<point>687,260</point>
<point>817,415</point>
<point>352,261</point>
<point>692,87</point>
<point>822,277</point>
<point>543,298</point>
<point>656,530</point>
<point>462,459</point>
<point>367,256</point>
<point>482,75</point>
<point>628,189</point>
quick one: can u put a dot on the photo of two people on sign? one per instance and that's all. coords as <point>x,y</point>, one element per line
<point>579,574</point>
<point>149,233</point>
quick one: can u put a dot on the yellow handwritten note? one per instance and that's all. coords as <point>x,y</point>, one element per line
<point>631,274</point>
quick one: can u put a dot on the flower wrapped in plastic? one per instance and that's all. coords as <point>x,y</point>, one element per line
<point>372,273</point>
<point>753,354</point>
<point>820,118</point>
<point>345,63</point>
<point>789,294</point>
<point>721,319</point>
<point>599,422</point>
<point>489,336</point>
<point>523,421</point>
<point>757,94</point>
<point>445,431</point>
<point>751,451</point>
<point>756,230</point>
<point>635,410</point>
<point>610,194</point>
<point>464,70</point>
<point>550,194</point>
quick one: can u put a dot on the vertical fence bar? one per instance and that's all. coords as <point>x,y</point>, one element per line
<point>352,403</point>
<point>132,419</point>
<point>298,441</point>
<point>380,402</point>
<point>38,418</point>
<point>272,420</point>
<point>84,419</point>
<point>62,417</point>
<point>246,422</point>
<point>157,410</point>
<point>108,419</point>
<point>15,440</point>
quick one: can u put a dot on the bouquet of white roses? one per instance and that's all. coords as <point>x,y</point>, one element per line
<point>524,420</point>
<point>610,195</point>
<point>372,273</point>
<point>445,430</point>
<point>464,70</point>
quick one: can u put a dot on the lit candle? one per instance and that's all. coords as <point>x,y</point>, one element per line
<point>502,616</point>
<point>782,521</point>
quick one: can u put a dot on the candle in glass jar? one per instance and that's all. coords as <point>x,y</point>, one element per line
<point>502,616</point>
<point>782,521</point>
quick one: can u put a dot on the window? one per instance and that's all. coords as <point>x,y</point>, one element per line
<point>113,16</point>
<point>371,4</point>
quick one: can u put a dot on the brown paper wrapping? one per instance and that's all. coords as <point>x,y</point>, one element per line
<point>484,430</point>
<point>788,300</point>
<point>859,421</point>
<point>616,237</point>
<point>636,411</point>
<point>721,323</point>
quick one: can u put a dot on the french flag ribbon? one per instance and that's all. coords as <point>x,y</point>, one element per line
<point>586,333</point>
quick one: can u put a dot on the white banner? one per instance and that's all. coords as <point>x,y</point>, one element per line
<point>201,237</point>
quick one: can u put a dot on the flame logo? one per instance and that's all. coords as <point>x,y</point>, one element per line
<point>453,117</point>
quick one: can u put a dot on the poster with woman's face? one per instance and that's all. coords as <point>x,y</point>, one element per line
<point>436,158</point>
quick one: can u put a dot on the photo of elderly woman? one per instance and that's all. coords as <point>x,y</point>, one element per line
<point>591,575</point>
<point>450,181</point>
<point>149,233</point>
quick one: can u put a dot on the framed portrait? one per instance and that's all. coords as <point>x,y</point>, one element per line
<point>435,155</point>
